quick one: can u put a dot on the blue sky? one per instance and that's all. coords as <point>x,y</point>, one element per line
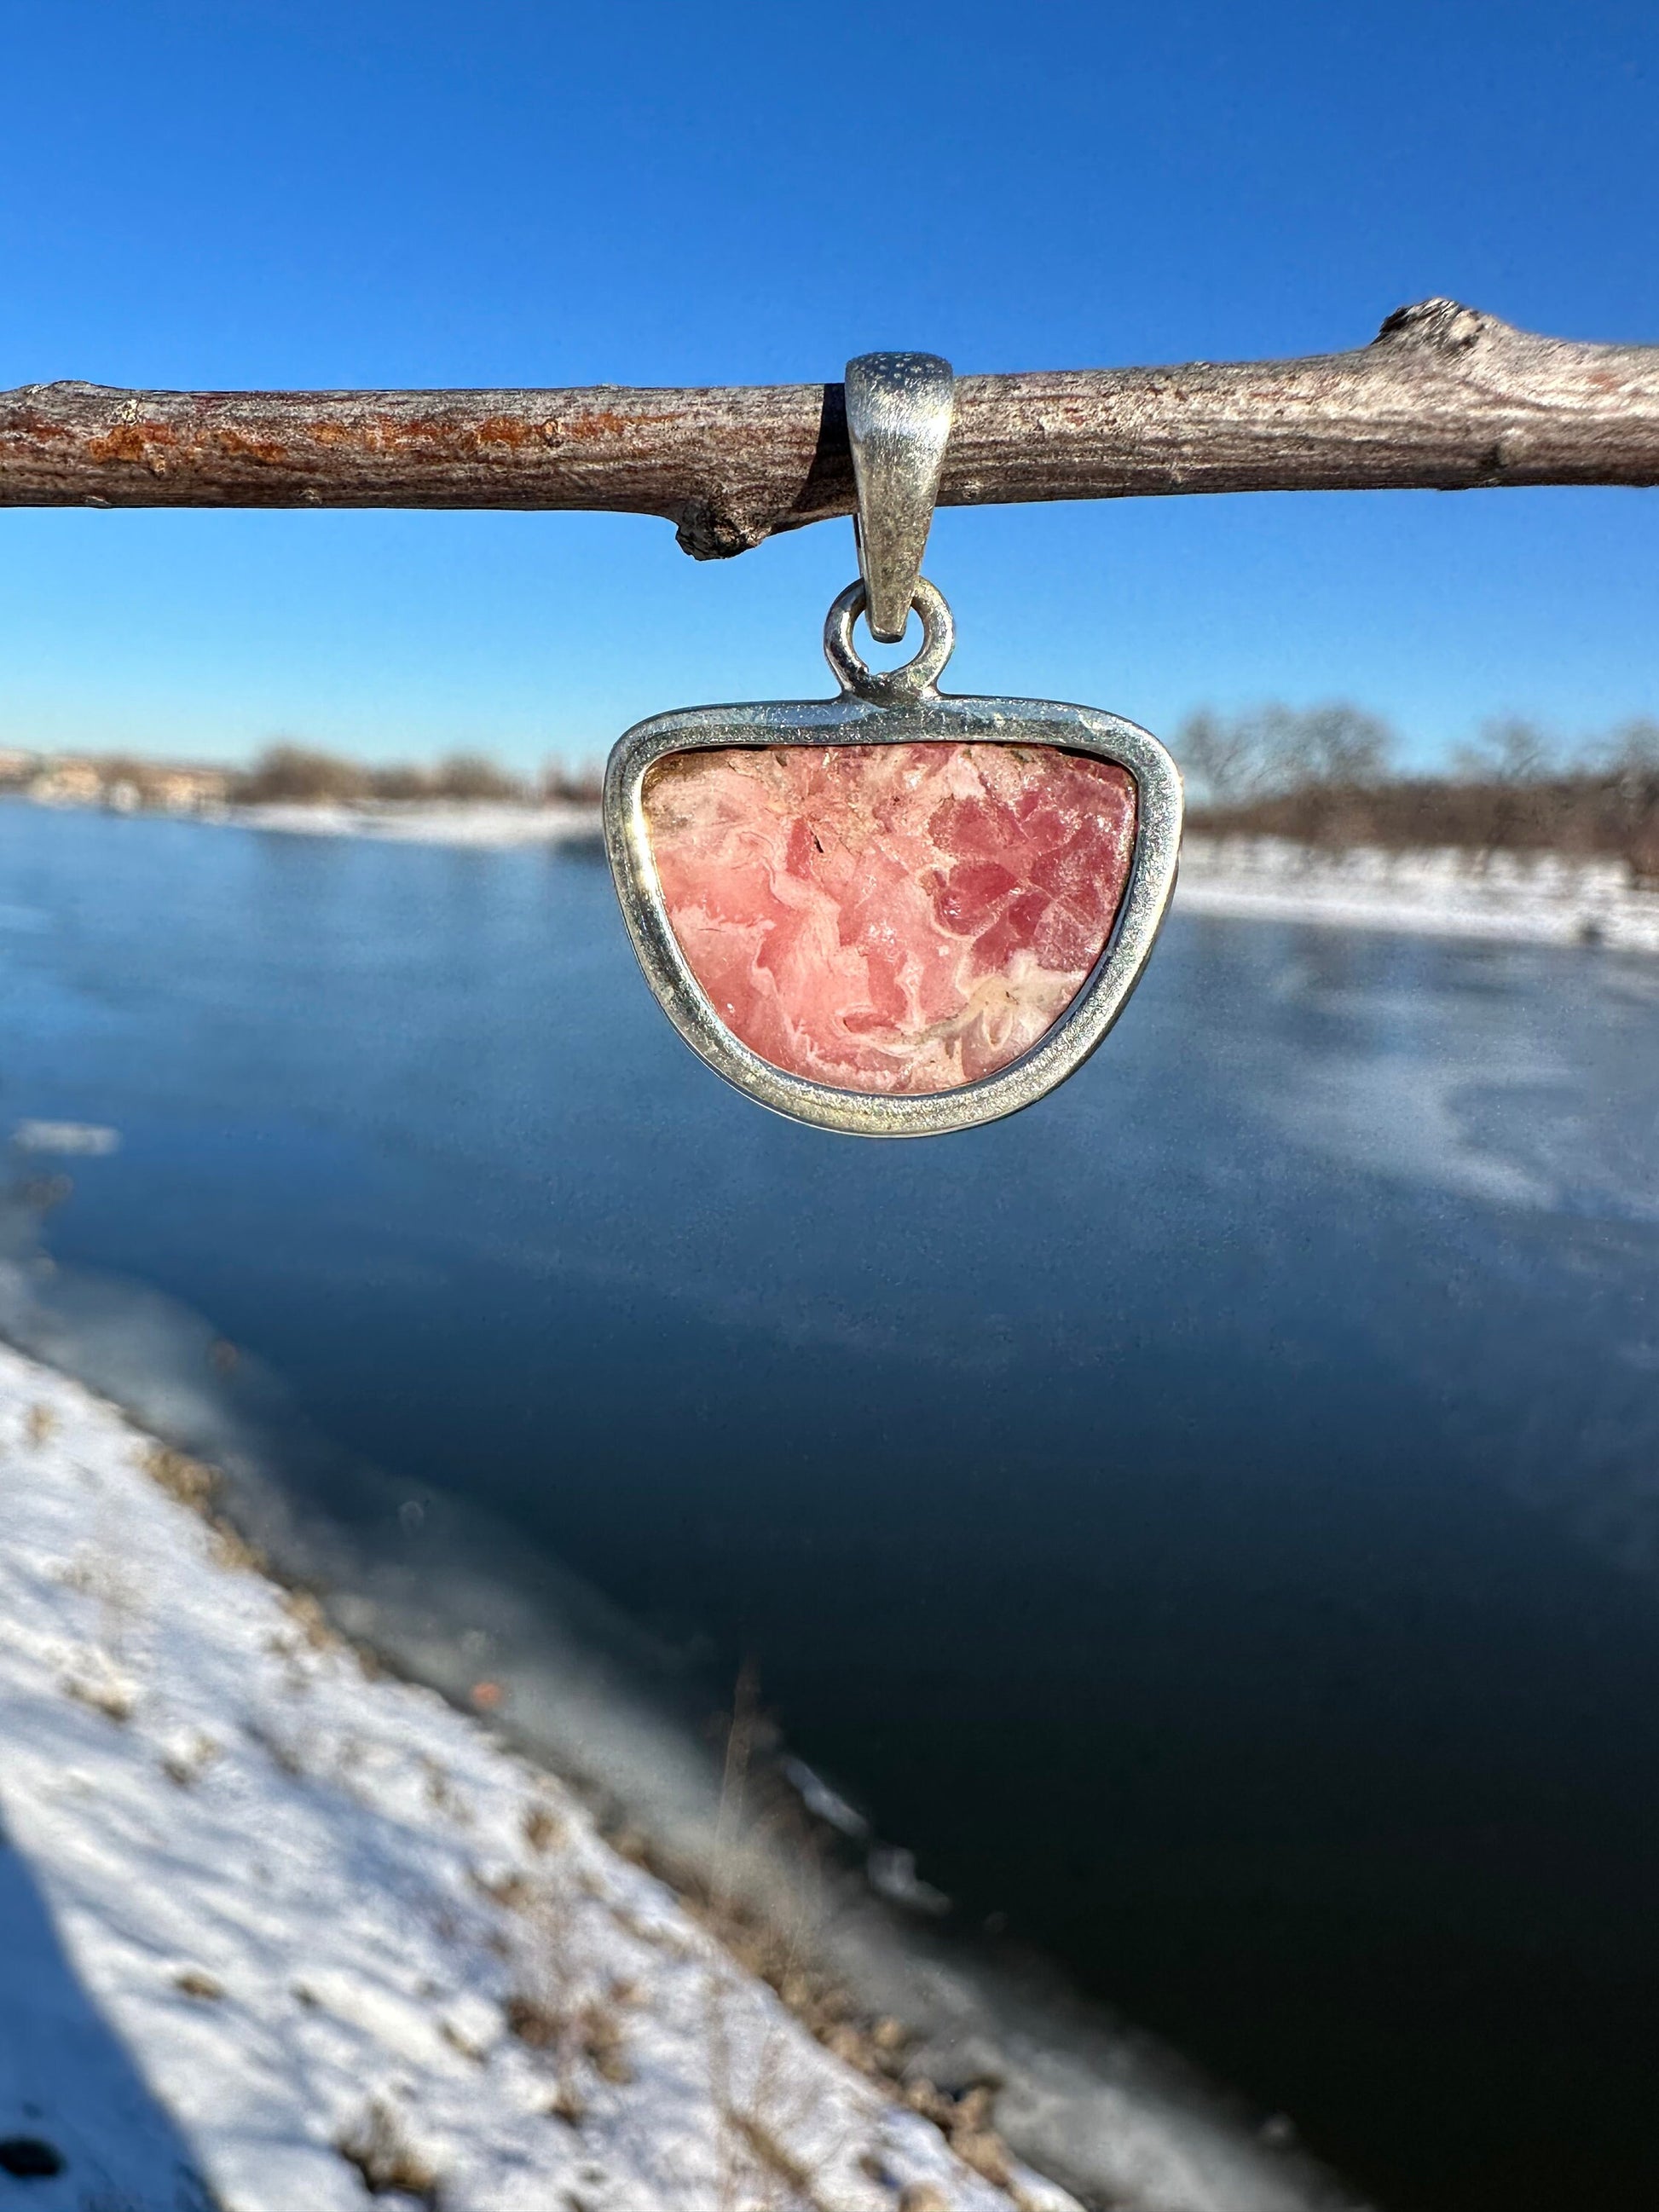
<point>253,194</point>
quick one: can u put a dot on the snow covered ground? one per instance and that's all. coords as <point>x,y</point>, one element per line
<point>1540,898</point>
<point>276,1933</point>
<point>478,823</point>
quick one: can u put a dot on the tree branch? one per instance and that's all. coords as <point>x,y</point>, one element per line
<point>1444,398</point>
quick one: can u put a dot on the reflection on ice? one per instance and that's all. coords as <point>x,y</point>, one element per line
<point>1496,1074</point>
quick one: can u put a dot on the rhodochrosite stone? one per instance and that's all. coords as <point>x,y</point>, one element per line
<point>887,918</point>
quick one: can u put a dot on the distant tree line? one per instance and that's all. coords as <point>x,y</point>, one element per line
<point>1327,776</point>
<point>299,774</point>
<point>296,773</point>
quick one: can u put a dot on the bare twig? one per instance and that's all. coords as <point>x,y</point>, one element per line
<point>1444,398</point>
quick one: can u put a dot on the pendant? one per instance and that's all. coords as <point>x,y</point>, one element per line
<point>899,911</point>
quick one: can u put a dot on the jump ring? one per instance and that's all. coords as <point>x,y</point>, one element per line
<point>914,678</point>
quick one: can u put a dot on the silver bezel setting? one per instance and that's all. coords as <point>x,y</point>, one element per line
<point>930,718</point>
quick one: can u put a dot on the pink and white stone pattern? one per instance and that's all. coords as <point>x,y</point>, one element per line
<point>890,918</point>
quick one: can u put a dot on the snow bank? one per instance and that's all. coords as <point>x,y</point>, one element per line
<point>477,822</point>
<point>1536,898</point>
<point>274,1932</point>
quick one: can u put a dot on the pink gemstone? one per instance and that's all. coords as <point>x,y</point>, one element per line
<point>901,917</point>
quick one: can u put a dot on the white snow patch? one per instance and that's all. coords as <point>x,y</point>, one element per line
<point>267,1921</point>
<point>74,1139</point>
<point>1521,897</point>
<point>416,822</point>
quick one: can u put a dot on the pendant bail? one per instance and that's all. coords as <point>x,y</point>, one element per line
<point>898,421</point>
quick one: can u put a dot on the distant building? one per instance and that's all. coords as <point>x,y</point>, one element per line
<point>123,784</point>
<point>68,783</point>
<point>187,790</point>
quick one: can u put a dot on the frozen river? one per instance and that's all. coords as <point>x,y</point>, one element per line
<point>1212,1520</point>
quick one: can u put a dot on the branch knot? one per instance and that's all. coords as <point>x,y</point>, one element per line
<point>709,531</point>
<point>1441,326</point>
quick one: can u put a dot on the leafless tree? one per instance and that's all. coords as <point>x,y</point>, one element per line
<point>300,773</point>
<point>1632,747</point>
<point>1219,757</point>
<point>470,775</point>
<point>1282,749</point>
<point>1510,749</point>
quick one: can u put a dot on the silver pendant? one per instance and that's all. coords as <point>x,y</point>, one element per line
<point>899,911</point>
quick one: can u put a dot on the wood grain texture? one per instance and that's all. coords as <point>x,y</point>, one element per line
<point>1444,399</point>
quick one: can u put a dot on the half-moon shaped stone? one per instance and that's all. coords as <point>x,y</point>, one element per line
<point>890,918</point>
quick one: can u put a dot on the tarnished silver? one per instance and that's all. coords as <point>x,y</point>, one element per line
<point>899,407</point>
<point>903,706</point>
